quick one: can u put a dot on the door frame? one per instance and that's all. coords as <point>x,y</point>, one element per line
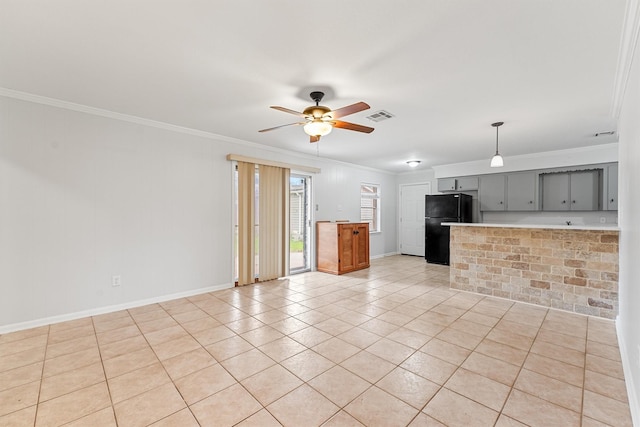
<point>309,244</point>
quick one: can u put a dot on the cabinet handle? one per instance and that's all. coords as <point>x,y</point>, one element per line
<point>356,232</point>
<point>530,202</point>
<point>500,202</point>
<point>573,201</point>
<point>612,200</point>
<point>564,201</point>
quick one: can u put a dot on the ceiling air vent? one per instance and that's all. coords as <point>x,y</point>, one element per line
<point>379,116</point>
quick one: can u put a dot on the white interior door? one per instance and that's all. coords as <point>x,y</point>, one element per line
<point>412,218</point>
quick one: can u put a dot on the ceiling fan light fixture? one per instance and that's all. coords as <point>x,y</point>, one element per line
<point>318,127</point>
<point>496,160</point>
<point>413,163</point>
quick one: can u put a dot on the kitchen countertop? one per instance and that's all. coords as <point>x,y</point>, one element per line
<point>547,226</point>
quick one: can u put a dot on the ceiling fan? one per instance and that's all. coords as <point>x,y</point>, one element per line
<point>320,120</point>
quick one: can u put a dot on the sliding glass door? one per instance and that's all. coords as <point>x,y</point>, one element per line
<point>300,223</point>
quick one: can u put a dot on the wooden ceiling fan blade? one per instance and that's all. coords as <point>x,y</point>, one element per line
<point>281,126</point>
<point>314,138</point>
<point>287,110</point>
<point>352,126</point>
<point>349,109</point>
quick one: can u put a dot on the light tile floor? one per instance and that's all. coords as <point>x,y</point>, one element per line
<point>387,346</point>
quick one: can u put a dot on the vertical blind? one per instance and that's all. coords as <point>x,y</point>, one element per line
<point>273,222</point>
<point>246,221</point>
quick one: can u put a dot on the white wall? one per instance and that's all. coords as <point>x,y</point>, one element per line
<point>84,197</point>
<point>421,176</point>
<point>629,215</point>
<point>337,195</point>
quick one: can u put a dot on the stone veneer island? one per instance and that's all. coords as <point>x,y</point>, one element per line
<point>573,268</point>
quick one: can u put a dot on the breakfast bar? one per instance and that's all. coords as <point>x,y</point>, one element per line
<point>568,267</point>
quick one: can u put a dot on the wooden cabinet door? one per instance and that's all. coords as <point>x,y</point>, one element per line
<point>361,250</point>
<point>346,243</point>
<point>521,189</point>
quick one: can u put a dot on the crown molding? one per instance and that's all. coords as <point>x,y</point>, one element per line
<point>53,102</point>
<point>628,43</point>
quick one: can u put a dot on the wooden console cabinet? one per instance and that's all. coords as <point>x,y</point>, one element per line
<point>342,247</point>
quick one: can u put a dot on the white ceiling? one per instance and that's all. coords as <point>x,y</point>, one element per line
<point>446,69</point>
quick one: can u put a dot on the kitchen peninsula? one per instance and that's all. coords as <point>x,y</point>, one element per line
<point>569,267</point>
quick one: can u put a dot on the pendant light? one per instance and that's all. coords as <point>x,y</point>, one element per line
<point>496,160</point>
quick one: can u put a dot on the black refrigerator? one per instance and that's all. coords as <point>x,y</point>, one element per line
<point>438,209</point>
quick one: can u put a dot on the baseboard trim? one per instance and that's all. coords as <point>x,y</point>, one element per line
<point>4,329</point>
<point>628,377</point>
<point>384,255</point>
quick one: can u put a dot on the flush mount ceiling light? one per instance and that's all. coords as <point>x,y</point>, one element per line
<point>413,163</point>
<point>496,160</point>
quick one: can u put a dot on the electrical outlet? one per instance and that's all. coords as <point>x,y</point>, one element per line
<point>116,281</point>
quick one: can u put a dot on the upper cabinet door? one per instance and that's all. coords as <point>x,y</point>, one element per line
<point>612,187</point>
<point>555,192</point>
<point>491,193</point>
<point>521,191</point>
<point>463,183</point>
<point>467,183</point>
<point>585,190</point>
<point>446,184</point>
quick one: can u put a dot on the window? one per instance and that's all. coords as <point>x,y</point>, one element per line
<point>370,206</point>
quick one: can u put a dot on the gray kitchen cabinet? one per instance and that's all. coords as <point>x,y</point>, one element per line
<point>575,191</point>
<point>521,191</point>
<point>491,192</point>
<point>464,183</point>
<point>555,191</point>
<point>467,183</point>
<point>446,184</point>
<point>585,187</point>
<point>612,188</point>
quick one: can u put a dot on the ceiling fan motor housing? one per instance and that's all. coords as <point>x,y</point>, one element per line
<point>316,111</point>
